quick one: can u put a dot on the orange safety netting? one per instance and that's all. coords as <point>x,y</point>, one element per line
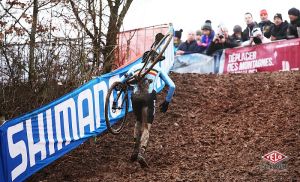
<point>133,43</point>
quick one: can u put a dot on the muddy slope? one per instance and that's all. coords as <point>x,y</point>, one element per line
<point>217,128</point>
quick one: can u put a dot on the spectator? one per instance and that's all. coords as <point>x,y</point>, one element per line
<point>221,41</point>
<point>265,24</point>
<point>250,25</point>
<point>198,37</point>
<point>189,46</point>
<point>177,39</point>
<point>257,38</point>
<point>237,34</point>
<point>294,27</point>
<point>208,35</point>
<point>279,29</point>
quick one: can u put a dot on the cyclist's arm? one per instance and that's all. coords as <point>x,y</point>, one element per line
<point>165,77</point>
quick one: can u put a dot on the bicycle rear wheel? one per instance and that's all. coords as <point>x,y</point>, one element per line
<point>116,103</point>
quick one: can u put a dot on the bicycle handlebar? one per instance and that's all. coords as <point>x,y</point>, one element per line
<point>140,75</point>
<point>157,58</point>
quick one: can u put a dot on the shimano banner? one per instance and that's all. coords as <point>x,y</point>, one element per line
<point>36,139</point>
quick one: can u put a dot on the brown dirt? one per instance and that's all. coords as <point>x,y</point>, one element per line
<point>217,128</point>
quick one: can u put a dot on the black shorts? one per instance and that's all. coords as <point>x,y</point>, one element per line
<point>139,101</point>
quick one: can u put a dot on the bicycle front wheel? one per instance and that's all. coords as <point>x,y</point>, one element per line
<point>116,105</point>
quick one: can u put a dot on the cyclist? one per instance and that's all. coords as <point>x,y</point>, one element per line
<point>143,100</point>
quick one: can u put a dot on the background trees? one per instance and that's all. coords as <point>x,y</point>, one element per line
<point>46,45</point>
<point>40,40</point>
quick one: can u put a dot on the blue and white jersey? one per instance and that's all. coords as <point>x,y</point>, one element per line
<point>154,74</point>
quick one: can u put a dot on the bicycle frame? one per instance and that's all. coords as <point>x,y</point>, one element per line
<point>114,106</point>
<point>141,74</point>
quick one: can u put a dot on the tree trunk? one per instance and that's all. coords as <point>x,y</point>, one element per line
<point>115,23</point>
<point>32,74</point>
<point>111,42</point>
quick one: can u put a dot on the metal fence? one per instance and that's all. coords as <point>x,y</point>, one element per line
<point>133,43</point>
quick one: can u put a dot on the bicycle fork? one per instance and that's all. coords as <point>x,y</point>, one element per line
<point>115,102</point>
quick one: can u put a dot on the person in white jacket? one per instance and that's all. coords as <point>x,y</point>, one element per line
<point>256,38</point>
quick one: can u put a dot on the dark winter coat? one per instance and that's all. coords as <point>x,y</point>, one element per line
<point>280,31</point>
<point>265,27</point>
<point>236,39</point>
<point>215,46</point>
<point>189,47</point>
<point>247,33</point>
<point>292,30</point>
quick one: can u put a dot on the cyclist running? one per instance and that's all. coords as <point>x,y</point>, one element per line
<point>143,100</point>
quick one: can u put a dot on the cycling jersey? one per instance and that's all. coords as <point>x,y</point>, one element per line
<point>154,74</point>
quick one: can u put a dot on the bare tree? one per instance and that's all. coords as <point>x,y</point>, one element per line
<point>17,26</point>
<point>32,74</point>
<point>103,35</point>
<point>118,11</point>
<point>95,34</point>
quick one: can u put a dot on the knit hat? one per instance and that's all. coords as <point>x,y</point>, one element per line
<point>208,21</point>
<point>294,11</point>
<point>178,33</point>
<point>263,12</point>
<point>206,26</point>
<point>278,15</point>
<point>198,32</point>
<point>237,29</point>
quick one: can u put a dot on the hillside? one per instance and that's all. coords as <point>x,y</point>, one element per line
<point>217,128</point>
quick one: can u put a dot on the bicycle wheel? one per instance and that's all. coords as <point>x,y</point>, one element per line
<point>116,103</point>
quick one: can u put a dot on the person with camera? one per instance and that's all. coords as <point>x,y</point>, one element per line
<point>221,41</point>
<point>256,38</point>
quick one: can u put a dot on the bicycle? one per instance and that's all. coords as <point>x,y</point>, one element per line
<point>117,99</point>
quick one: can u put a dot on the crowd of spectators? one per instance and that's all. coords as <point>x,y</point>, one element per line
<point>210,42</point>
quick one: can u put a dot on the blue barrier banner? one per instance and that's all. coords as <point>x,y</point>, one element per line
<point>193,63</point>
<point>2,177</point>
<point>36,139</point>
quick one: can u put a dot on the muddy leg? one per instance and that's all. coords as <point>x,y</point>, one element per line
<point>144,138</point>
<point>137,131</point>
<point>145,135</point>
<point>137,140</point>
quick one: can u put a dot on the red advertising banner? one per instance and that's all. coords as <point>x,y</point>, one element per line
<point>133,43</point>
<point>276,56</point>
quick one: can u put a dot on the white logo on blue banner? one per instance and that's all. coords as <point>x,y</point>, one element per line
<point>34,140</point>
